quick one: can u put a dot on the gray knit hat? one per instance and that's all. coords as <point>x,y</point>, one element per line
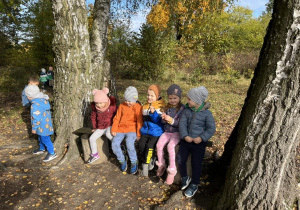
<point>174,90</point>
<point>198,94</point>
<point>131,94</point>
<point>32,91</point>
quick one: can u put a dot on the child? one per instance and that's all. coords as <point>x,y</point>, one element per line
<point>152,127</point>
<point>196,127</point>
<point>103,111</point>
<point>41,121</point>
<point>25,101</point>
<point>43,78</point>
<point>127,124</point>
<point>50,76</point>
<point>171,135</point>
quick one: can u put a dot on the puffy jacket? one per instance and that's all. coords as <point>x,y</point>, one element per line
<point>128,119</point>
<point>195,123</point>
<point>173,126</point>
<point>41,117</point>
<point>102,120</point>
<point>43,77</point>
<point>152,125</point>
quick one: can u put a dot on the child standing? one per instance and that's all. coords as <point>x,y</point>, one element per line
<point>43,78</point>
<point>31,81</point>
<point>50,76</point>
<point>196,127</point>
<point>152,127</point>
<point>41,121</point>
<point>103,111</point>
<point>170,119</point>
<point>127,124</point>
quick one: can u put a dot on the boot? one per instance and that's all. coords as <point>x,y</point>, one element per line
<point>161,169</point>
<point>171,174</point>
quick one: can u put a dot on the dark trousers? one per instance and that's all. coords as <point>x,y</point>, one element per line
<point>146,147</point>
<point>197,152</point>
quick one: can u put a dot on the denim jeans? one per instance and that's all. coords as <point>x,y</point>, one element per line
<point>116,146</point>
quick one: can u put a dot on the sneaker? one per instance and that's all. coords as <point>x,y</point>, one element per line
<point>134,168</point>
<point>92,159</point>
<point>123,165</point>
<point>185,181</point>
<point>49,157</point>
<point>191,190</point>
<point>152,163</point>
<point>38,151</point>
<point>145,169</point>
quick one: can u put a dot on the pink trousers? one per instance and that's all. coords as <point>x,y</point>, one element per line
<point>173,139</point>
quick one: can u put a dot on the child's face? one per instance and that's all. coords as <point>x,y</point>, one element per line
<point>130,103</point>
<point>33,83</point>
<point>192,103</point>
<point>151,97</point>
<point>101,105</point>
<point>173,100</point>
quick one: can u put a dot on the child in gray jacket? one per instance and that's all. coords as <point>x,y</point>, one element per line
<point>196,127</point>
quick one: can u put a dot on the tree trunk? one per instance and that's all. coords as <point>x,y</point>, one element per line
<point>79,68</point>
<point>261,150</point>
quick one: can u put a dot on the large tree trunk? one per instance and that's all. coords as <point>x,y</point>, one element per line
<point>78,68</point>
<point>73,76</point>
<point>261,150</point>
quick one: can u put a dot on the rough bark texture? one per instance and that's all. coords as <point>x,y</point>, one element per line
<point>262,148</point>
<point>80,67</point>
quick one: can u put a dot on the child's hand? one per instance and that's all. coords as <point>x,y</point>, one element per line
<point>138,138</point>
<point>34,132</point>
<point>114,133</point>
<point>152,109</point>
<point>197,140</point>
<point>93,130</point>
<point>188,139</point>
<point>163,116</point>
<point>168,118</point>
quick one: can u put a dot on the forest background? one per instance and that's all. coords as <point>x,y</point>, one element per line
<point>219,39</point>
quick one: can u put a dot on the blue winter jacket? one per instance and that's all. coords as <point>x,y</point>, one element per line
<point>196,123</point>
<point>25,100</point>
<point>41,117</point>
<point>174,125</point>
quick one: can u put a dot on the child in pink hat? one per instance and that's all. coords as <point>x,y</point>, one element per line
<point>104,109</point>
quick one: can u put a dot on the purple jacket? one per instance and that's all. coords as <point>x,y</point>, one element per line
<point>174,126</point>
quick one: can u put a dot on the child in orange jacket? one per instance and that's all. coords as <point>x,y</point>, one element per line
<point>127,124</point>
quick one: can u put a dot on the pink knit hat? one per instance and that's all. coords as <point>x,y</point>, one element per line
<point>100,96</point>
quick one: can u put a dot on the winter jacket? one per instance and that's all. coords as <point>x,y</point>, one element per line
<point>25,100</point>
<point>50,75</point>
<point>195,123</point>
<point>172,127</point>
<point>128,119</point>
<point>41,117</point>
<point>152,125</point>
<point>43,77</point>
<point>102,120</point>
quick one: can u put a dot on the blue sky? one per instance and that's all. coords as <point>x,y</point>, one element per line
<point>258,6</point>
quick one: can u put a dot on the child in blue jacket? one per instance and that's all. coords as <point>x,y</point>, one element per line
<point>196,127</point>
<point>41,121</point>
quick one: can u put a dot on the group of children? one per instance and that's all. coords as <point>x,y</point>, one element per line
<point>47,78</point>
<point>155,125</point>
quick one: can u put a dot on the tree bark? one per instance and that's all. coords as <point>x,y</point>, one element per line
<point>261,150</point>
<point>80,67</point>
<point>74,74</point>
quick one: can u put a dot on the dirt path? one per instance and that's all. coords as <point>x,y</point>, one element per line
<point>28,183</point>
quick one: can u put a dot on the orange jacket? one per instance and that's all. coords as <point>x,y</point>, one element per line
<point>128,119</point>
